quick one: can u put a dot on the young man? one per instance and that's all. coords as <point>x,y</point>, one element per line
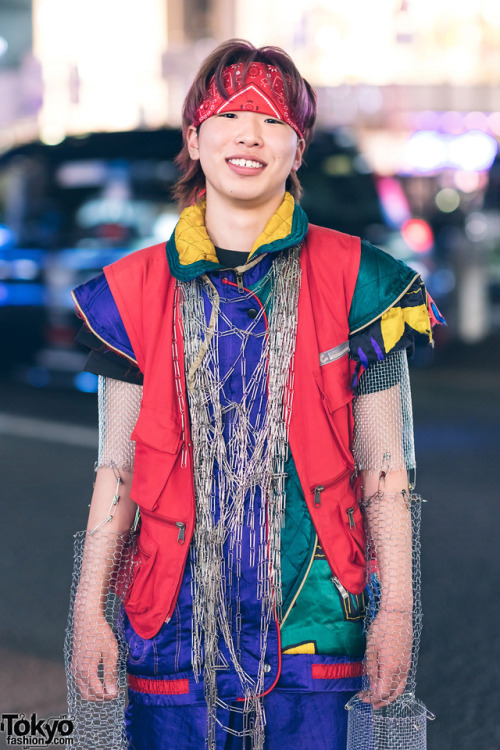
<point>228,424</point>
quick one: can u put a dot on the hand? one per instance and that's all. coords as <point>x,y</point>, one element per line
<point>388,656</point>
<point>94,644</point>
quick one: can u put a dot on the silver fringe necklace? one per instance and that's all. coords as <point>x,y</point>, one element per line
<point>236,455</point>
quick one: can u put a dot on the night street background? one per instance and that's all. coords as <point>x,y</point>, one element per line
<point>47,455</point>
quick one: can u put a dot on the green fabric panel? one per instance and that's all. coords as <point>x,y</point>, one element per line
<point>381,281</point>
<point>298,537</point>
<point>318,616</point>
<point>323,623</point>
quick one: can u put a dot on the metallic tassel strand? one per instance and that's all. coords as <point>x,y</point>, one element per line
<point>238,456</point>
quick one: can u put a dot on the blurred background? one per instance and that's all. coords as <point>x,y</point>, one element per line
<point>405,155</point>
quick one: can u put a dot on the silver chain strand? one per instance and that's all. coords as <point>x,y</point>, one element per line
<point>230,469</point>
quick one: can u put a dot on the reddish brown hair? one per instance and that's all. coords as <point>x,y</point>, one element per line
<point>301,100</point>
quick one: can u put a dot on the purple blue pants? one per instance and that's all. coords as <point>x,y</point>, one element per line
<point>295,721</point>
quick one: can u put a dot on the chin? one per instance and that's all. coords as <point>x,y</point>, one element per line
<point>255,195</point>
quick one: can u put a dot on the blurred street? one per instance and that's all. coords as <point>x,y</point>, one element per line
<point>47,458</point>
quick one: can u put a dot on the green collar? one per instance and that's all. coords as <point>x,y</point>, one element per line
<point>190,251</point>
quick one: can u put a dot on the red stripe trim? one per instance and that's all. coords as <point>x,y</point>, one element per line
<point>337,671</point>
<point>158,687</point>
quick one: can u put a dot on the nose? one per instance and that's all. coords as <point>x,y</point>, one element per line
<point>249,133</point>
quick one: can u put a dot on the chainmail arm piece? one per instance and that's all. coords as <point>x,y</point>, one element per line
<point>94,649</point>
<point>389,639</point>
<point>384,452</point>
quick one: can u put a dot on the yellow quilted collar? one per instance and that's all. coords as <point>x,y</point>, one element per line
<point>193,243</point>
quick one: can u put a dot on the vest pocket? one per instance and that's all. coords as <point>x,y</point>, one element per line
<point>345,517</point>
<point>141,589</point>
<point>334,382</point>
<point>352,523</point>
<point>158,440</point>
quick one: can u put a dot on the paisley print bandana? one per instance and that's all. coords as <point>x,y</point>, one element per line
<point>262,90</point>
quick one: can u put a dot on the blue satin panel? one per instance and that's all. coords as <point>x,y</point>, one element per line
<point>99,307</point>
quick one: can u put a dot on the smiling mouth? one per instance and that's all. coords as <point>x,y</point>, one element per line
<point>248,163</point>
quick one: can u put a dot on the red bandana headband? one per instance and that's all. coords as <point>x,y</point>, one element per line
<point>262,91</point>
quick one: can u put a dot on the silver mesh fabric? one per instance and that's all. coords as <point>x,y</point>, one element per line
<point>228,472</point>
<point>394,616</point>
<point>383,418</point>
<point>402,725</point>
<point>119,405</point>
<point>94,650</point>
<point>383,453</point>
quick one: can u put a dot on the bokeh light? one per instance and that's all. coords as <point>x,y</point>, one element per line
<point>447,200</point>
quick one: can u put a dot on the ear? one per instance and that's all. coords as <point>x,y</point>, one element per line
<point>192,142</point>
<point>301,144</point>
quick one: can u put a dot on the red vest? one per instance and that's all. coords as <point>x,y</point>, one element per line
<point>320,427</point>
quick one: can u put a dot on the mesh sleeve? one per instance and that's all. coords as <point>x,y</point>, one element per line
<point>95,650</point>
<point>119,405</point>
<point>383,418</point>
<point>386,714</point>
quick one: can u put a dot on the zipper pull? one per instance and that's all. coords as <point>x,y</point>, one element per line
<point>136,520</point>
<point>317,495</point>
<point>182,528</point>
<point>342,591</point>
<point>352,522</point>
<point>239,281</point>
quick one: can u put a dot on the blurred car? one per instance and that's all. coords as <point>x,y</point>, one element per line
<point>342,192</point>
<point>484,227</point>
<point>68,210</point>
<point>65,212</point>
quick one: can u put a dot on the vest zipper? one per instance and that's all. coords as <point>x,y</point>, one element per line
<point>239,281</point>
<point>180,525</point>
<point>317,495</point>
<point>318,489</point>
<point>182,528</point>
<point>350,514</point>
<point>341,589</point>
<point>243,289</point>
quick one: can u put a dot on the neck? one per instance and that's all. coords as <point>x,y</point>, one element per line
<point>238,226</point>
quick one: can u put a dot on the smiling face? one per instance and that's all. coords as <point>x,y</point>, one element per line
<point>246,158</point>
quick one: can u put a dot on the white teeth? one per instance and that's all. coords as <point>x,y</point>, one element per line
<point>246,163</point>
